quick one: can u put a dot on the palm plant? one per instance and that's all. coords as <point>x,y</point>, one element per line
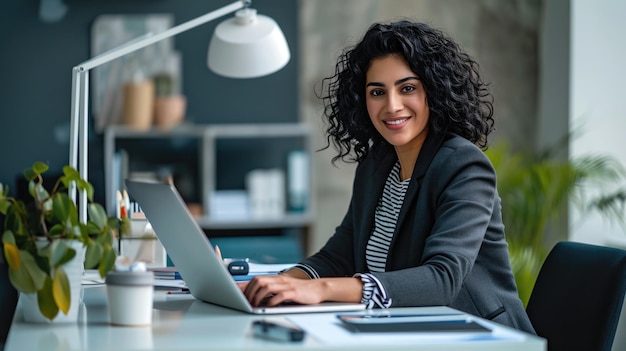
<point>536,190</point>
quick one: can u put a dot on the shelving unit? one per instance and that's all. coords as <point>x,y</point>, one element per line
<point>223,154</point>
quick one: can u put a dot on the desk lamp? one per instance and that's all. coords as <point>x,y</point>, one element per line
<point>245,46</point>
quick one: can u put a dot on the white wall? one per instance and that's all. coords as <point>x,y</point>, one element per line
<point>597,102</point>
<point>597,99</point>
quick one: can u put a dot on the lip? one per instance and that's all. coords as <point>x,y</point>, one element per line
<point>396,123</point>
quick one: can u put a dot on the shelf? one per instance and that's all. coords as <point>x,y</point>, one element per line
<point>215,150</point>
<point>185,130</point>
<point>288,220</point>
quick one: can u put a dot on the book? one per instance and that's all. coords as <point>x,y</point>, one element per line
<point>165,273</point>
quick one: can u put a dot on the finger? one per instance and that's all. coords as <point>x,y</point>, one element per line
<point>289,294</point>
<point>278,299</point>
<point>255,284</point>
<point>266,291</point>
<point>261,294</point>
<point>242,286</point>
<point>251,288</point>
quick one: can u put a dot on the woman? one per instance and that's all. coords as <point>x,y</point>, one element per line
<point>424,224</point>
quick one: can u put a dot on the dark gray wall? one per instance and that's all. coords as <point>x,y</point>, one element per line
<point>36,59</point>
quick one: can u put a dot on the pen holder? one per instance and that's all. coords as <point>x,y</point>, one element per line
<point>130,295</point>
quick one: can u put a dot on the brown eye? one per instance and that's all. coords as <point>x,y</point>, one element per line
<point>376,92</point>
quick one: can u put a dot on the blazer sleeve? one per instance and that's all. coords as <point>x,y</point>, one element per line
<point>337,257</point>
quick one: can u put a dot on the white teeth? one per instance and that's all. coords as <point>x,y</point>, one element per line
<point>398,121</point>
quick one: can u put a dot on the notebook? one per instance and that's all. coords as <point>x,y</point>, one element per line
<point>193,255</point>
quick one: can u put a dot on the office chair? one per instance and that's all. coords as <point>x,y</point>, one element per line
<point>577,299</point>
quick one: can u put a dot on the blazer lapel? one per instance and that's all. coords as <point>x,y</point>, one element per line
<point>427,153</point>
<point>385,159</point>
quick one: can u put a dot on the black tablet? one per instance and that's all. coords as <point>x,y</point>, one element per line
<point>410,323</point>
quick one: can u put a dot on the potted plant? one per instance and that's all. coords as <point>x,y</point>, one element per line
<point>169,105</point>
<point>535,192</point>
<point>40,238</point>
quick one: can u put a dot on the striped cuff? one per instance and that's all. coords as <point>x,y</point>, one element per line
<point>374,295</point>
<point>308,270</point>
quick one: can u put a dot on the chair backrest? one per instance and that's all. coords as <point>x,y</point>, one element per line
<point>577,299</point>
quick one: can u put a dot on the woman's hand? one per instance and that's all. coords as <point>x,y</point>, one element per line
<point>282,287</point>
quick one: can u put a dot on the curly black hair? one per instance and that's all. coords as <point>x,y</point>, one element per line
<point>459,101</point>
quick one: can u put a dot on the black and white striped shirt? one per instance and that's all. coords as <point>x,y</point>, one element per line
<point>385,221</point>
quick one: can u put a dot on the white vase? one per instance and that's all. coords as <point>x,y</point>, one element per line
<point>74,270</point>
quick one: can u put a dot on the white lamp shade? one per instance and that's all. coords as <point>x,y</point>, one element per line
<point>247,46</point>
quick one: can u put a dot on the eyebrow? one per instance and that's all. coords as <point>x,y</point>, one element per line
<point>397,82</point>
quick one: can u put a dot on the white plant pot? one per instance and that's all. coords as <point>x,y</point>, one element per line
<point>74,270</point>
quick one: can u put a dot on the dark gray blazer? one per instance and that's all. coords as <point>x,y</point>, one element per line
<point>449,246</point>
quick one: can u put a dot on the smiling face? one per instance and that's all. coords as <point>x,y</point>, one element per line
<point>396,103</point>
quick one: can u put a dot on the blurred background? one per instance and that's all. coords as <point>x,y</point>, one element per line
<point>555,68</point>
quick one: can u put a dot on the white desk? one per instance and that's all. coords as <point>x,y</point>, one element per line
<point>182,323</point>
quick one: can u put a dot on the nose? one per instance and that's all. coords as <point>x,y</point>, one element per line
<point>394,102</point>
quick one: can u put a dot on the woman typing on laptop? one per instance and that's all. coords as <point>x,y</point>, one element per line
<point>424,225</point>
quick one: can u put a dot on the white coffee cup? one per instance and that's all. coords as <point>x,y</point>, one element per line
<point>130,295</point>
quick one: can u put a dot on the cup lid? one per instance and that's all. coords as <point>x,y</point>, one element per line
<point>130,278</point>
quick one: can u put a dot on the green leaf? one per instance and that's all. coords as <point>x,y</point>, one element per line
<point>93,229</point>
<point>42,261</point>
<point>14,221</point>
<point>7,237</point>
<point>80,230</point>
<point>125,226</point>
<point>97,215</point>
<point>4,206</point>
<point>29,174</point>
<point>106,237</point>
<point>93,254</point>
<point>44,250</point>
<point>61,290</point>
<point>60,253</point>
<point>40,191</point>
<point>84,185</point>
<point>107,262</point>
<point>28,277</point>
<point>40,167</point>
<point>56,231</point>
<point>72,175</point>
<point>45,300</point>
<point>63,209</point>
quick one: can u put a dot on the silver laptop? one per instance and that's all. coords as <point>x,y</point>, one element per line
<point>194,257</point>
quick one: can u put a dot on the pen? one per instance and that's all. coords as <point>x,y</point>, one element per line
<point>118,209</point>
<point>183,292</point>
<point>234,266</point>
<point>218,252</point>
<point>126,201</point>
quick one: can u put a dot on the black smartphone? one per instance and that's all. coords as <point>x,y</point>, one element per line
<point>277,331</point>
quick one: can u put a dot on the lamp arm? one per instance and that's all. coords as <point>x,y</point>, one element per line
<point>80,89</point>
<point>150,38</point>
